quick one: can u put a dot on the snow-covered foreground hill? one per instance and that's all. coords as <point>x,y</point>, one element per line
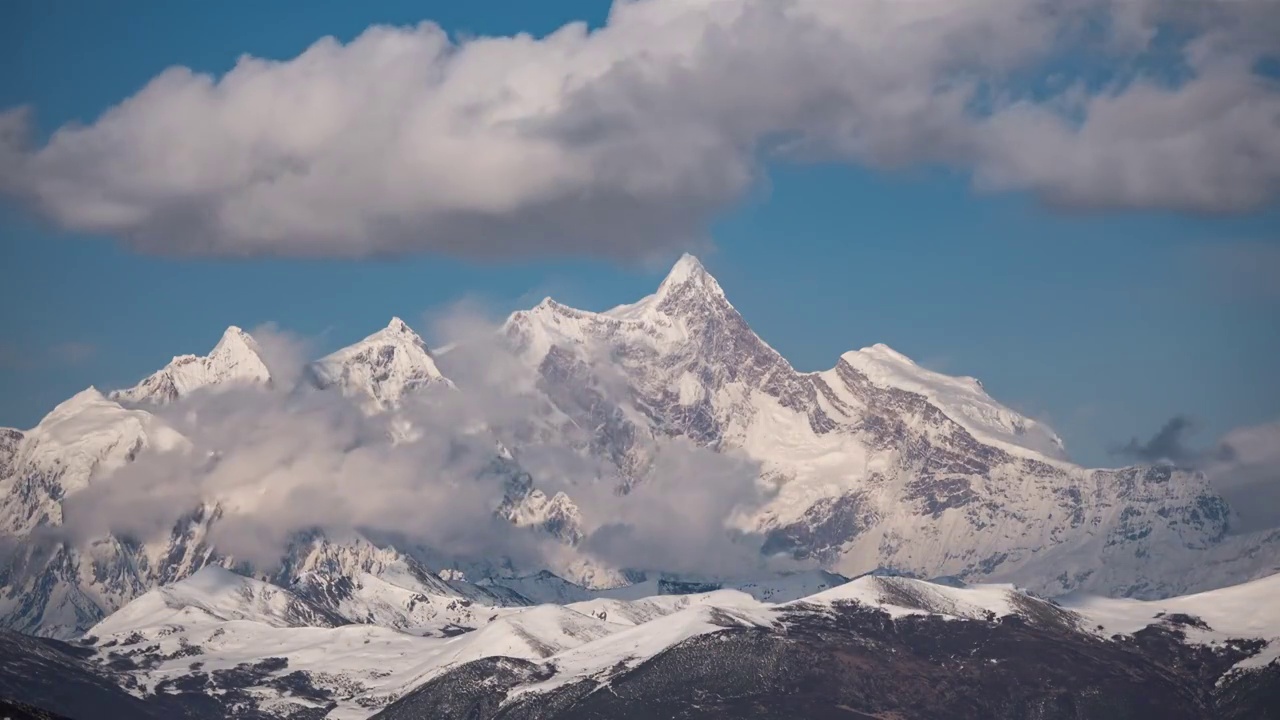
<point>656,442</point>
<point>257,648</point>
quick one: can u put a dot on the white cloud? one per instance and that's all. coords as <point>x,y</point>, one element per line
<point>624,141</point>
<point>1245,468</point>
<point>280,461</point>
<point>73,352</point>
<point>285,353</point>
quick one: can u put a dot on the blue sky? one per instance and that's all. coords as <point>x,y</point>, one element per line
<point>1106,322</point>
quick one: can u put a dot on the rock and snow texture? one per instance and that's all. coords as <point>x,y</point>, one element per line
<point>236,359</point>
<point>61,589</point>
<point>223,623</point>
<point>875,463</point>
<point>962,399</point>
<point>383,368</point>
<point>84,436</point>
<point>54,588</point>
<point>214,594</point>
<point>1247,611</point>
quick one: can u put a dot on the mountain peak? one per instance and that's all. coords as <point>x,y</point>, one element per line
<point>397,332</point>
<point>234,340</point>
<point>383,367</point>
<point>236,359</point>
<point>687,266</point>
<point>884,352</point>
<point>688,272</point>
<point>687,286</point>
<point>88,396</point>
<point>961,398</point>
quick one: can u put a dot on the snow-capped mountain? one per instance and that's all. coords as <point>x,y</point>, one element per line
<point>222,621</point>
<point>59,588</point>
<point>236,359</point>
<point>875,463</point>
<point>55,588</point>
<point>987,649</point>
<point>83,436</point>
<point>214,594</point>
<point>890,647</point>
<point>382,368</point>
<point>962,399</point>
<point>367,584</point>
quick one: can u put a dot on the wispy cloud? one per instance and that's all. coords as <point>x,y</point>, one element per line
<point>73,352</point>
<point>1245,467</point>
<point>625,141</point>
<point>278,461</point>
<point>1168,445</point>
<point>20,356</point>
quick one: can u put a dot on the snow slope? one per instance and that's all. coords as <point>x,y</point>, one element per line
<point>84,437</point>
<point>236,359</point>
<point>1240,612</point>
<point>224,622</point>
<point>214,594</point>
<point>383,368</point>
<point>876,462</point>
<point>1249,610</point>
<point>962,399</point>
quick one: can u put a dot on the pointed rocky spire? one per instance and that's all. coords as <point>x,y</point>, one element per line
<point>384,366</point>
<point>688,272</point>
<point>234,331</point>
<point>398,331</point>
<point>234,336</point>
<point>236,359</point>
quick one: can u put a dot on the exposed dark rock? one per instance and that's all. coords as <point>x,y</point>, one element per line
<point>55,677</point>
<point>824,529</point>
<point>23,711</point>
<point>858,662</point>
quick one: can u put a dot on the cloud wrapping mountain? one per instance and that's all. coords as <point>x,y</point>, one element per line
<point>1243,465</point>
<point>278,462</point>
<point>623,141</point>
<point>662,436</point>
<point>1168,445</point>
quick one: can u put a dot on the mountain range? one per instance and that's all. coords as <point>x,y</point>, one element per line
<point>574,425</point>
<point>218,645</point>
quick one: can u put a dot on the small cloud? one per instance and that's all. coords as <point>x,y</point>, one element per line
<point>1168,445</point>
<point>1243,466</point>
<point>936,363</point>
<point>73,352</point>
<point>285,353</point>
